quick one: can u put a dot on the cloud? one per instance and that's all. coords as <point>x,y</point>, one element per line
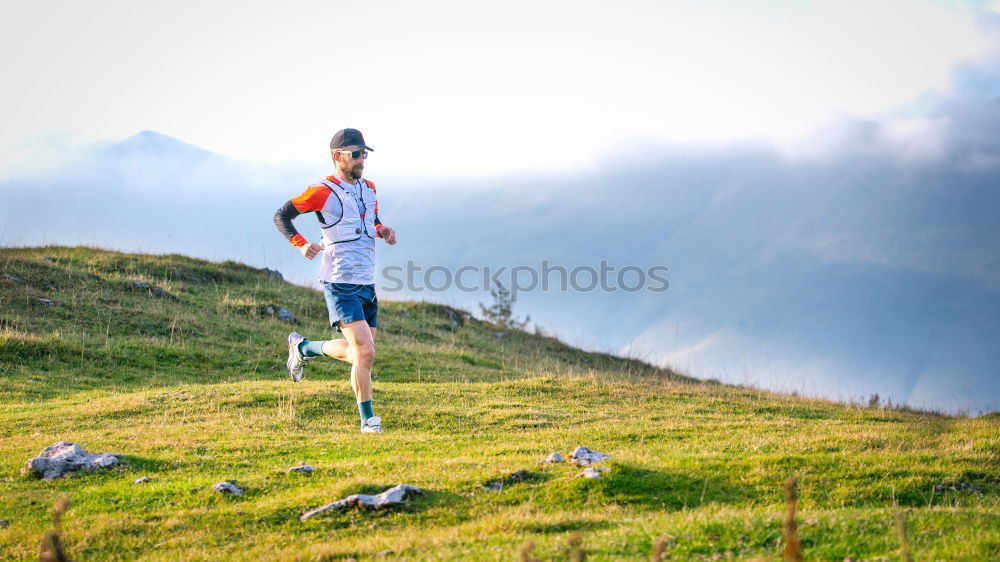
<point>256,82</point>
<point>913,139</point>
<point>660,337</point>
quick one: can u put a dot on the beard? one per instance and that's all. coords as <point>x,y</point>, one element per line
<point>354,172</point>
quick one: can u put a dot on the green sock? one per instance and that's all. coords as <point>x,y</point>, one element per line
<point>311,348</point>
<point>365,409</point>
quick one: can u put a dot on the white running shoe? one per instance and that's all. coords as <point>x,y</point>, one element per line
<point>296,362</point>
<point>372,425</point>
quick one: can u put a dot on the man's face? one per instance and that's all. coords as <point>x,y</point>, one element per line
<point>352,168</point>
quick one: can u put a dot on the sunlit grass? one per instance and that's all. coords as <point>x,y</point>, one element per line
<point>192,390</point>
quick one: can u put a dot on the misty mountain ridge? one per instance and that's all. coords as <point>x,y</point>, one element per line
<point>152,143</point>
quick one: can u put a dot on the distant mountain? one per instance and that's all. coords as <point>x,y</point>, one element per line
<point>151,143</point>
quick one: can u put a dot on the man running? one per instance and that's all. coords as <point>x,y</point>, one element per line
<point>347,210</point>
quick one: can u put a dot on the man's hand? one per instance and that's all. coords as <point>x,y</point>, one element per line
<point>310,250</point>
<point>388,234</point>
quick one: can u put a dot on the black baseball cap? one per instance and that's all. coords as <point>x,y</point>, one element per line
<point>349,139</point>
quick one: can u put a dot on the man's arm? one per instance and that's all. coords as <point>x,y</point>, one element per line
<point>283,220</point>
<point>381,231</point>
<point>311,200</point>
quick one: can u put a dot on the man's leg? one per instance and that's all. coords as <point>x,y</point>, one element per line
<point>338,349</point>
<point>362,347</point>
<point>341,349</point>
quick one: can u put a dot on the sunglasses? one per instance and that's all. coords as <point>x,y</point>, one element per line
<point>362,153</point>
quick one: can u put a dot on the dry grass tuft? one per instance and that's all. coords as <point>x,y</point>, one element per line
<point>526,552</point>
<point>793,548</point>
<point>659,549</point>
<point>51,547</point>
<point>904,542</point>
<point>576,551</point>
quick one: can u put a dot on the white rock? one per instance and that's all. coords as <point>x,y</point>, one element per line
<point>509,478</point>
<point>142,480</point>
<point>286,315</point>
<point>592,472</point>
<point>46,302</point>
<point>227,488</point>
<point>59,459</point>
<point>554,457</point>
<point>583,456</point>
<point>391,497</point>
<point>303,468</point>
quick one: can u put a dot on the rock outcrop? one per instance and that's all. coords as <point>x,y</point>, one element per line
<point>302,469</point>
<point>62,458</point>
<point>392,497</point>
<point>227,488</point>
<point>286,315</point>
<point>583,456</point>
<point>554,457</point>
<point>593,472</point>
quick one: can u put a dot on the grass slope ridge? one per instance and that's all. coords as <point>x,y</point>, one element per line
<point>185,377</point>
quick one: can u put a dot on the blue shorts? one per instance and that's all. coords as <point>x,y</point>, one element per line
<point>348,302</point>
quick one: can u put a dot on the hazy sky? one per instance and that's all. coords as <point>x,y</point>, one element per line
<point>467,89</point>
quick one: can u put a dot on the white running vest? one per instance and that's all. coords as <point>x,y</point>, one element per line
<point>351,225</point>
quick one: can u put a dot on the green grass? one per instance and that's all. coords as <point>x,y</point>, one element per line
<point>189,385</point>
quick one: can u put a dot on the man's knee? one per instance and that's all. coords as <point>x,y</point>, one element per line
<point>365,351</point>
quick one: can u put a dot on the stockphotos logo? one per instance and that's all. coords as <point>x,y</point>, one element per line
<point>526,278</point>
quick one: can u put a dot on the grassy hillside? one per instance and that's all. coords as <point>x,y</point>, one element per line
<point>186,379</point>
